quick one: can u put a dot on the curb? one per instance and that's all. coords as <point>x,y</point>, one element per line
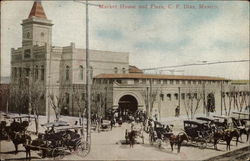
<point>232,154</point>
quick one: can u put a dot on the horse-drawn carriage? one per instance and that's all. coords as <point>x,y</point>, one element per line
<point>106,125</point>
<point>236,123</point>
<point>136,131</point>
<point>198,132</point>
<point>160,131</point>
<point>59,140</point>
<point>14,128</point>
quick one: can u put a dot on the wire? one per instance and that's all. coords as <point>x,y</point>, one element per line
<point>195,64</point>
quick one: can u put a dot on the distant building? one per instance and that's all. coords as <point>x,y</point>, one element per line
<point>58,73</point>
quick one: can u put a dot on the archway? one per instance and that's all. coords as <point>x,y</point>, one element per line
<point>128,104</point>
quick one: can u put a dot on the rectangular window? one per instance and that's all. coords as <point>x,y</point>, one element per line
<point>195,95</point>
<point>42,73</point>
<point>162,96</point>
<point>171,81</point>
<point>183,96</point>
<point>176,96</point>
<point>136,81</point>
<point>169,96</point>
<point>177,82</point>
<point>20,72</point>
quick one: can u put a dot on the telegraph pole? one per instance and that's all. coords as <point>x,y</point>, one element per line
<point>221,97</point>
<point>88,80</point>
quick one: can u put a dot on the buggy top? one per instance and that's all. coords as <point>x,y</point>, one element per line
<point>207,119</point>
<point>21,116</point>
<point>55,124</point>
<point>196,124</point>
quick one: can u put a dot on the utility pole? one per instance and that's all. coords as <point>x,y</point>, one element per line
<point>205,110</point>
<point>88,80</point>
<point>179,98</point>
<point>147,104</point>
<point>221,95</point>
<point>150,97</point>
<point>49,86</point>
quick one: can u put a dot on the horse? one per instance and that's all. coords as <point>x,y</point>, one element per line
<point>177,140</point>
<point>244,130</point>
<point>4,131</point>
<point>131,138</point>
<point>226,135</point>
<point>35,145</point>
<point>18,138</point>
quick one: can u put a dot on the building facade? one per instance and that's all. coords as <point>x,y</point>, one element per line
<point>49,77</point>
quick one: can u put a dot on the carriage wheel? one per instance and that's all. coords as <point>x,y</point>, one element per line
<point>58,153</point>
<point>82,149</point>
<point>202,144</point>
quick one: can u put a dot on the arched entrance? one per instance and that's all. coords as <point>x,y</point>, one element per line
<point>127,105</point>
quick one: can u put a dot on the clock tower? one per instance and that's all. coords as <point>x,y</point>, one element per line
<point>37,29</point>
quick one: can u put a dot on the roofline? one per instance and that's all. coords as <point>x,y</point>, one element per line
<point>152,76</point>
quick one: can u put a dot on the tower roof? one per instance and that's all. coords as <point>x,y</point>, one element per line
<point>37,10</point>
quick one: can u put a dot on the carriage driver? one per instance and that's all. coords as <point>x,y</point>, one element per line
<point>52,130</point>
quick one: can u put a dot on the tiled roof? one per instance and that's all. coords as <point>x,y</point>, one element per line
<point>37,10</point>
<point>152,76</point>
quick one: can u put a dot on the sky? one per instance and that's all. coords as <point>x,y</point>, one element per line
<point>153,36</point>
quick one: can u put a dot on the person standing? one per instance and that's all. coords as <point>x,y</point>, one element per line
<point>177,111</point>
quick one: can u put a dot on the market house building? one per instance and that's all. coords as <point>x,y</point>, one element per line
<point>58,74</point>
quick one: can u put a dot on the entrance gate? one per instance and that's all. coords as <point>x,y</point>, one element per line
<point>127,105</point>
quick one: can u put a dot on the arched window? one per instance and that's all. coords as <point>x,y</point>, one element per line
<point>116,70</point>
<point>15,73</point>
<point>123,70</point>
<point>67,98</point>
<point>42,72</point>
<point>81,72</point>
<point>67,73</point>
<point>36,72</point>
<point>20,72</point>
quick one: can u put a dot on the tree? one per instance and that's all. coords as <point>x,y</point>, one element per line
<point>192,102</point>
<point>19,99</point>
<point>4,96</point>
<point>57,103</point>
<point>99,98</point>
<point>36,95</point>
<point>80,100</point>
